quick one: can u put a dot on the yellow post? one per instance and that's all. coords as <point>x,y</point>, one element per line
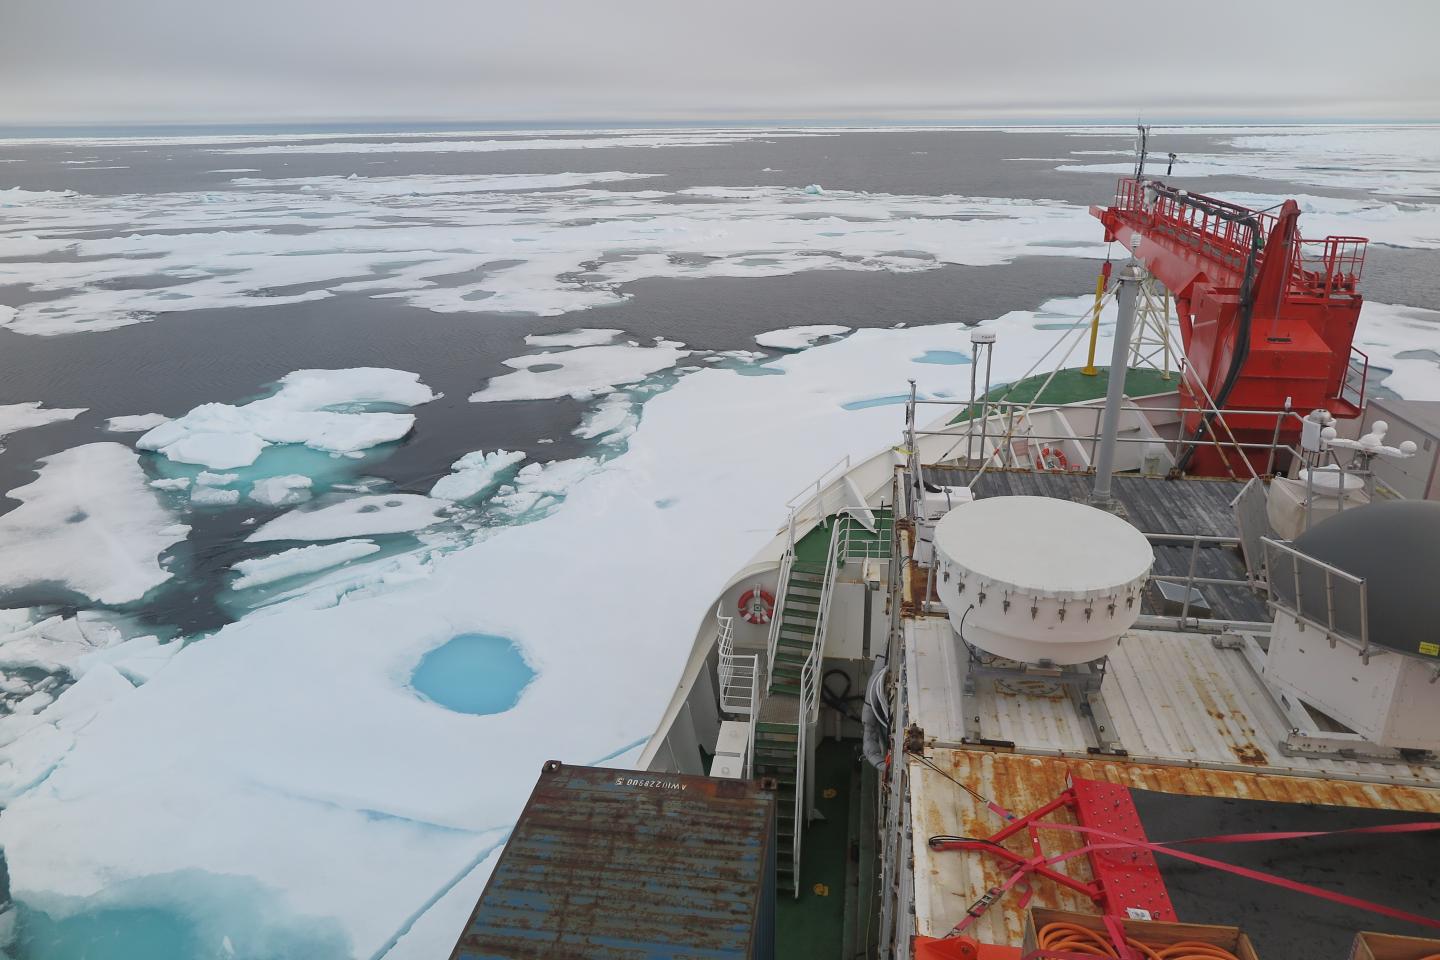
<point>1089,368</point>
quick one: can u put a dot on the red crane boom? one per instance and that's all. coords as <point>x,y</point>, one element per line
<point>1266,317</point>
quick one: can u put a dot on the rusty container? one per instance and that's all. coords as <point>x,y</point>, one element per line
<point>618,863</point>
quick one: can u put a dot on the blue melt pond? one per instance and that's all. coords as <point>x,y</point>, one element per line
<point>950,357</point>
<point>876,402</point>
<point>473,673</point>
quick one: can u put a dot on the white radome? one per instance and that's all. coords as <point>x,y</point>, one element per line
<point>1039,579</point>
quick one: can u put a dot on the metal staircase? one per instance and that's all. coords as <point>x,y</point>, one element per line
<point>787,717</point>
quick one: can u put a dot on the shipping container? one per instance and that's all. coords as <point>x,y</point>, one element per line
<point>624,864</point>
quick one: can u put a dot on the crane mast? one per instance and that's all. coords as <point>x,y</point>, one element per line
<point>1266,317</point>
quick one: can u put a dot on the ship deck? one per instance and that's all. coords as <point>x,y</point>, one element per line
<point>1153,505</point>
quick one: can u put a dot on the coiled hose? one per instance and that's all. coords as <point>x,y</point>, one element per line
<point>1073,938</point>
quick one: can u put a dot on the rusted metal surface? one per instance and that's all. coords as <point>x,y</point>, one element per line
<point>617,863</point>
<point>948,882</point>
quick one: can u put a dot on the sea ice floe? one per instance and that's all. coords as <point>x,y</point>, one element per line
<point>299,561</point>
<point>798,338</point>
<point>1392,222</point>
<point>15,417</point>
<point>207,479</point>
<point>581,372</point>
<point>91,523</point>
<point>311,407</point>
<point>1404,342</point>
<point>281,491</point>
<point>355,517</point>
<point>582,337</point>
<point>684,138</point>
<point>138,423</point>
<point>205,496</point>
<point>474,474</point>
<point>545,252</point>
<point>613,418</point>
<point>1392,161</point>
<point>541,487</point>
<point>30,641</point>
<point>421,185</point>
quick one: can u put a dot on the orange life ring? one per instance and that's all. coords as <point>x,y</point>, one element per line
<point>1047,454</point>
<point>757,605</point>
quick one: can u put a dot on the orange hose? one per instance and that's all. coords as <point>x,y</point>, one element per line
<point>1064,937</point>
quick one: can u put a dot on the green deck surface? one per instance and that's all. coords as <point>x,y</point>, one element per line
<point>814,925</point>
<point>1072,386</point>
<point>814,547</point>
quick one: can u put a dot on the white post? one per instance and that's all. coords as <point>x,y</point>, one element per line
<point>1129,281</point>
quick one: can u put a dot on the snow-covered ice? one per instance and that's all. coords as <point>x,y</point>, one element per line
<point>300,560</point>
<point>581,372</point>
<point>355,517</point>
<point>474,474</point>
<point>545,252</point>
<point>137,423</point>
<point>207,496</point>
<point>582,337</point>
<point>798,338</point>
<point>22,416</point>
<point>1395,223</point>
<point>90,522</point>
<point>281,491</point>
<point>303,410</point>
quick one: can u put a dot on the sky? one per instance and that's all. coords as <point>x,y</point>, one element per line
<point>206,61</point>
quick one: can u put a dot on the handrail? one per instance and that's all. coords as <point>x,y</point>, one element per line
<point>782,589</point>
<point>1356,634</point>
<point>809,706</point>
<point>738,673</point>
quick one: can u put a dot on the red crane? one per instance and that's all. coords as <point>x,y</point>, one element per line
<point>1266,317</point>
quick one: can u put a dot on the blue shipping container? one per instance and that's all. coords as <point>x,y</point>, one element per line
<point>623,864</point>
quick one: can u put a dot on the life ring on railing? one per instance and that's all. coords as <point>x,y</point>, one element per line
<point>757,605</point>
<point>1053,458</point>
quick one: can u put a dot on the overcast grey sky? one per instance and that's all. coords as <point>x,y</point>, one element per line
<point>122,61</point>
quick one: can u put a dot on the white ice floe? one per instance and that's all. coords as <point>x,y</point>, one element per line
<point>580,373</point>
<point>355,517</point>
<point>540,487</point>
<point>299,561</point>
<point>613,418</point>
<point>1394,223</point>
<point>29,641</point>
<point>204,496</point>
<point>1405,341</point>
<point>583,337</point>
<point>798,338</point>
<point>1391,161</point>
<point>207,479</point>
<point>303,411</point>
<point>282,491</point>
<point>474,474</point>
<point>679,138</point>
<point>171,483</point>
<point>545,252</point>
<point>15,417</point>
<point>138,423</point>
<point>421,185</point>
<point>91,523</point>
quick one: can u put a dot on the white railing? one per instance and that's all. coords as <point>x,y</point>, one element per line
<point>739,673</point>
<point>1320,595</point>
<point>811,493</point>
<point>809,708</point>
<point>782,588</point>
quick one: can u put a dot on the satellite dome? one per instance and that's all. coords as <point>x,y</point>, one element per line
<point>1395,546</point>
<point>1040,579</point>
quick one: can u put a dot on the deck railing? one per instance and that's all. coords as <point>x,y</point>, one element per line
<point>1319,595</point>
<point>738,671</point>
